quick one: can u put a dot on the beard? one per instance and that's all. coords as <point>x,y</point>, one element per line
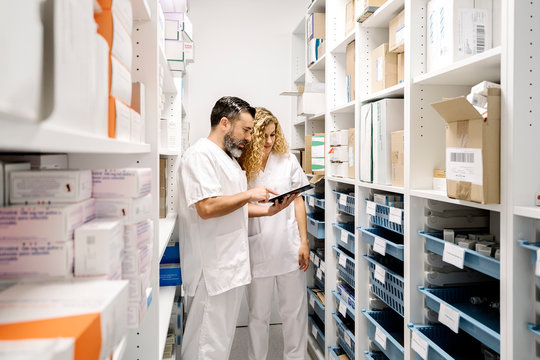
<point>232,145</point>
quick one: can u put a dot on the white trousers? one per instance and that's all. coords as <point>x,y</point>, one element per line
<point>291,288</point>
<point>211,323</point>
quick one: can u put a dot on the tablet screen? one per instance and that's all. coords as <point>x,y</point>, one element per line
<point>280,197</point>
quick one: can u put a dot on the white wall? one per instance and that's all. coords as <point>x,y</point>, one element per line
<point>242,48</point>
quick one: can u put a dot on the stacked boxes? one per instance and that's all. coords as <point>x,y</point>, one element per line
<point>364,8</point>
<point>315,36</point>
<point>350,72</point>
<point>317,154</point>
<point>383,70</point>
<point>342,153</point>
<point>349,17</point>
<point>169,268</point>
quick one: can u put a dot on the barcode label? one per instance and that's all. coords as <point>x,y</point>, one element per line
<point>464,164</point>
<point>480,38</point>
<point>462,157</point>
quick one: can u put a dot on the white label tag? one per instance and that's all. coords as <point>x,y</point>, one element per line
<point>454,254</point>
<point>464,165</point>
<point>316,260</point>
<point>314,331</point>
<point>319,274</point>
<point>347,339</point>
<point>537,272</point>
<point>312,301</point>
<point>379,245</point>
<point>379,68</point>
<point>371,208</point>
<point>311,256</point>
<point>380,337</point>
<point>395,215</point>
<point>343,200</point>
<point>342,308</point>
<point>449,318</point>
<point>344,237</point>
<point>400,34</point>
<point>342,260</point>
<point>322,265</point>
<point>380,274</point>
<point>419,345</point>
<point>311,201</point>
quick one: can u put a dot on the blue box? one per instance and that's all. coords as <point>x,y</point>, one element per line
<point>171,255</point>
<point>170,275</point>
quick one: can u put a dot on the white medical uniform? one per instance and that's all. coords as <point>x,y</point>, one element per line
<point>214,252</point>
<point>274,242</point>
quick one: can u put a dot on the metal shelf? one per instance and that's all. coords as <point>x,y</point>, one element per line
<point>389,188</point>
<point>166,299</point>
<point>395,91</point>
<point>166,228</point>
<point>344,109</point>
<point>383,15</point>
<point>341,47</point>
<point>441,196</point>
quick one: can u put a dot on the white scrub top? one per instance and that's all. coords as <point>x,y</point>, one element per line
<point>274,240</point>
<point>217,247</point>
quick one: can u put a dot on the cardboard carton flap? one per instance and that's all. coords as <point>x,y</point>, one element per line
<point>316,179</point>
<point>456,109</point>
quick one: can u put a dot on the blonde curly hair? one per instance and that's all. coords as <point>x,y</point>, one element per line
<point>252,156</point>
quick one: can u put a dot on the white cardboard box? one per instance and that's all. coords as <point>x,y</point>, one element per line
<point>136,129</point>
<point>39,161</point>
<point>121,183</point>
<point>138,235</point>
<point>50,349</point>
<point>122,45</point>
<point>120,81</point>
<point>311,103</point>
<point>136,262</point>
<point>339,169</point>
<point>122,114</point>
<point>99,85</point>
<point>366,146</point>
<point>60,186</point>
<point>98,247</point>
<point>339,137</point>
<point>131,210</point>
<point>7,169</point>
<point>339,153</point>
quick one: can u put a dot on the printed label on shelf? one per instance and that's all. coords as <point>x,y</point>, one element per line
<point>342,308</point>
<point>347,339</point>
<point>380,337</point>
<point>316,260</point>
<point>537,272</point>
<point>464,165</point>
<point>319,274</point>
<point>379,245</point>
<point>344,237</point>
<point>322,265</point>
<point>311,257</point>
<point>454,254</point>
<point>311,201</point>
<point>371,208</point>
<point>343,200</point>
<point>312,301</point>
<point>449,317</point>
<point>380,274</point>
<point>419,345</point>
<point>314,331</point>
<point>395,215</point>
<point>342,260</point>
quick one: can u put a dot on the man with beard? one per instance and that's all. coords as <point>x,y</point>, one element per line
<point>214,208</point>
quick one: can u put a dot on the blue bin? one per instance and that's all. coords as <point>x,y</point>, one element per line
<point>347,272</point>
<point>315,226</point>
<point>394,241</point>
<point>343,334</point>
<point>480,322</point>
<point>375,355</point>
<point>391,292</point>
<point>317,259</point>
<point>340,300</point>
<point>314,329</point>
<point>535,329</point>
<point>382,219</point>
<point>335,352</point>
<point>474,260</point>
<point>345,231</point>
<point>346,293</point>
<point>391,325</point>
<point>349,200</point>
<point>318,307</point>
<point>315,199</point>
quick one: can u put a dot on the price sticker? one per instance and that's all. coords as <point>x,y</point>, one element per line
<point>419,345</point>
<point>454,254</point>
<point>342,308</point>
<point>380,337</point>
<point>371,208</point>
<point>379,245</point>
<point>343,200</point>
<point>319,274</point>
<point>342,260</point>
<point>344,237</point>
<point>395,215</point>
<point>380,274</point>
<point>449,317</point>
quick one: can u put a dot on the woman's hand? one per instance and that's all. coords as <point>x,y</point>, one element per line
<point>303,256</point>
<point>277,207</point>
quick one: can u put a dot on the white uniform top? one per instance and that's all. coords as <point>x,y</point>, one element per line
<point>274,240</point>
<point>217,247</point>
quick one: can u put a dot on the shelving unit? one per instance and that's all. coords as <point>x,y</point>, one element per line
<point>166,299</point>
<point>166,228</point>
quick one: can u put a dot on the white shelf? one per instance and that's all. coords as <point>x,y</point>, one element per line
<point>341,180</point>
<point>383,15</point>
<point>441,196</point>
<point>532,212</point>
<point>389,188</point>
<point>166,227</point>
<point>168,82</point>
<point>141,11</point>
<point>316,117</point>
<point>470,71</point>
<point>166,299</point>
<point>317,6</point>
<point>391,92</point>
<point>19,136</point>
<point>118,353</point>
<point>300,122</point>
<point>319,64</point>
<point>300,79</point>
<point>344,109</point>
<point>169,152</point>
<point>341,47</point>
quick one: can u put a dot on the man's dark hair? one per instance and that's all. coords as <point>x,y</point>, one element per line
<point>230,107</point>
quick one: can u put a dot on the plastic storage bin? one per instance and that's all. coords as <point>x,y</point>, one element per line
<point>315,200</point>
<point>345,272</point>
<point>375,355</point>
<point>345,202</point>
<point>480,322</point>
<point>335,352</point>
<point>474,260</point>
<point>316,260</point>
<point>391,325</point>
<point>314,302</point>
<point>345,337</point>
<point>315,225</point>
<point>394,241</point>
<point>391,292</point>
<point>345,236</point>
<point>349,310</point>
<point>347,294</point>
<point>316,331</point>
<point>382,218</point>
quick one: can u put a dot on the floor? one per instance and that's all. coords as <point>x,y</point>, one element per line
<point>240,344</point>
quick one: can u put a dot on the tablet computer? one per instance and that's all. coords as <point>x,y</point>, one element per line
<point>280,197</point>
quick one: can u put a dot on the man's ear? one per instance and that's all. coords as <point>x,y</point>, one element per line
<point>224,122</point>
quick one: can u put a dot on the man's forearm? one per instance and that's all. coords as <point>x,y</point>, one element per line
<point>255,210</point>
<point>221,205</point>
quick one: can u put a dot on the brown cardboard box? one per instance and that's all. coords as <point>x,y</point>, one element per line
<point>400,67</point>
<point>349,17</point>
<point>472,148</point>
<point>383,69</point>
<point>396,33</point>
<point>367,7</point>
<point>349,68</point>
<point>315,26</point>
<point>398,157</point>
<point>322,50</point>
<point>318,153</point>
<point>307,165</point>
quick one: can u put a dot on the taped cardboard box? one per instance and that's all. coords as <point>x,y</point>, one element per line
<point>349,17</point>
<point>383,68</point>
<point>396,32</point>
<point>472,149</point>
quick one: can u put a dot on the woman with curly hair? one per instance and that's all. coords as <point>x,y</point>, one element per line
<point>278,245</point>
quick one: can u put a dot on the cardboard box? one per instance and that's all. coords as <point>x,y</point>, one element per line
<point>138,235</point>
<point>171,255</point>
<point>131,210</point>
<point>121,183</point>
<point>138,103</point>
<point>364,8</point>
<point>350,20</point>
<point>398,158</point>
<point>366,144</point>
<point>387,117</point>
<point>53,349</point>
<point>472,149</point>
<point>317,154</point>
<point>137,262</point>
<point>170,275</point>
<point>383,69</point>
<point>339,169</point>
<point>307,168</point>
<point>50,186</point>
<point>315,26</point>
<point>350,71</point>
<point>38,161</point>
<point>5,178</point>
<point>310,103</point>
<point>119,120</point>
<point>136,128</point>
<point>340,137</point>
<point>396,32</point>
<point>122,9</point>
<point>116,35</point>
<point>163,209</point>
<point>401,68</point>
<point>120,86</point>
<point>339,153</point>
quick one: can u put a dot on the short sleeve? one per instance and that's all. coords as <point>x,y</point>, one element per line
<point>298,176</point>
<point>199,178</point>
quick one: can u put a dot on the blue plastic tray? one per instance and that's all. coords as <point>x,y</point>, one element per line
<point>345,293</point>
<point>391,324</point>
<point>443,343</point>
<point>320,333</point>
<point>375,355</point>
<point>350,309</point>
<point>394,241</point>
<point>349,208</point>
<point>315,227</point>
<point>342,330</point>
<point>335,352</point>
<point>535,329</point>
<point>533,247</point>
<point>318,307</point>
<point>391,292</point>
<point>347,272</point>
<point>382,216</point>
<point>318,200</point>
<point>474,260</point>
<point>349,230</point>
<point>318,282</point>
<point>480,322</point>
